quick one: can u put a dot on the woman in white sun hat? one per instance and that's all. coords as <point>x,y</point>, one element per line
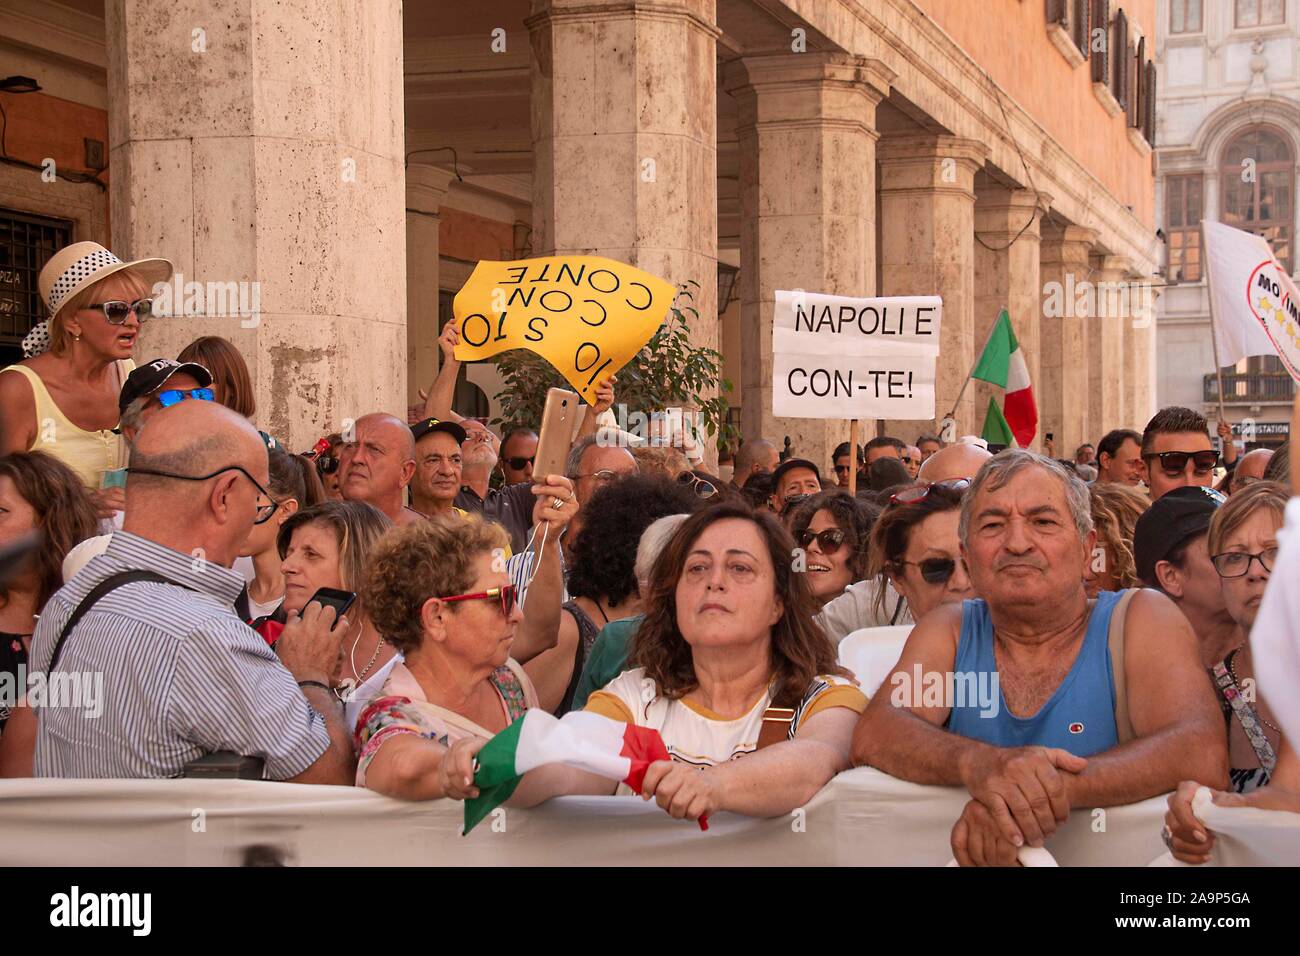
<point>62,399</point>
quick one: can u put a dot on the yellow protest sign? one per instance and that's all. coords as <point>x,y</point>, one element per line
<point>586,315</point>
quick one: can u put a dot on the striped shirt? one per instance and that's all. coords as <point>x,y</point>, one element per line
<point>182,676</point>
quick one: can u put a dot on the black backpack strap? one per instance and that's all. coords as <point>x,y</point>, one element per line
<point>111,583</point>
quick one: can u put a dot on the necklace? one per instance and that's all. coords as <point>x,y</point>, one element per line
<point>352,655</point>
<point>1232,669</point>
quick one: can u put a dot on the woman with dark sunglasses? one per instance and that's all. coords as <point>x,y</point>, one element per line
<point>439,594</point>
<point>67,405</point>
<point>915,548</point>
<point>832,530</point>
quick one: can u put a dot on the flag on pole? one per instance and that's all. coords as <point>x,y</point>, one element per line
<point>1003,364</point>
<point>1254,304</point>
<point>590,742</point>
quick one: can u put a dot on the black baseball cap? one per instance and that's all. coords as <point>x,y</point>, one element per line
<point>429,425</point>
<point>1173,518</point>
<point>789,465</point>
<point>148,378</point>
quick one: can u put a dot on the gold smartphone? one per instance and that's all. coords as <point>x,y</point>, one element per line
<point>559,418</point>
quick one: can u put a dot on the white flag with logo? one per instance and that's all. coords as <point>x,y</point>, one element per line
<point>1255,305</point>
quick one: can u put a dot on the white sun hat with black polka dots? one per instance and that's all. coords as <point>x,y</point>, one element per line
<point>79,265</point>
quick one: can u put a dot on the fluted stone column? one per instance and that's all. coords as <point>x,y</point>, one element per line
<point>260,141</point>
<point>807,181</point>
<point>927,247</point>
<point>426,187</point>
<point>1007,276</point>
<point>1063,405</point>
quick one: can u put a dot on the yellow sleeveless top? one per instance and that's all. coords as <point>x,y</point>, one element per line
<point>89,454</point>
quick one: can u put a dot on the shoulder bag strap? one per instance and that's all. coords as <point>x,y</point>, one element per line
<point>1123,727</point>
<point>1245,714</point>
<point>777,723</point>
<point>111,583</point>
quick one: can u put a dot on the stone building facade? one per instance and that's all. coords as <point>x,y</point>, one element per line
<point>1229,136</point>
<point>356,159</point>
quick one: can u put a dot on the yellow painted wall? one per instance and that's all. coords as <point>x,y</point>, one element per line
<point>1008,38</point>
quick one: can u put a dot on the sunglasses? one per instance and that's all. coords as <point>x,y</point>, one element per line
<point>117,310</point>
<point>704,489</point>
<point>505,595</point>
<point>174,396</point>
<point>841,469</point>
<point>261,516</point>
<point>934,570</point>
<point>1234,564</point>
<point>918,493</point>
<point>830,540</point>
<point>327,464</point>
<point>1174,463</point>
<point>519,464</point>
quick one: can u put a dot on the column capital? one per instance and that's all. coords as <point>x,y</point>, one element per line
<point>928,147</point>
<point>1113,267</point>
<point>1068,234</point>
<point>775,71</point>
<point>701,13</point>
<point>426,187</point>
<point>1004,212</point>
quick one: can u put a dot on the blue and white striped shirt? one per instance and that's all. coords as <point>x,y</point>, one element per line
<point>182,676</point>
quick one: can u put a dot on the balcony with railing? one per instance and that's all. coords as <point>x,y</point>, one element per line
<point>1251,388</point>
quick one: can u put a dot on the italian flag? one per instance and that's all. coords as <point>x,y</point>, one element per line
<point>1003,364</point>
<point>590,742</point>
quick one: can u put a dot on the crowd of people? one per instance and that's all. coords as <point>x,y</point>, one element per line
<point>372,611</point>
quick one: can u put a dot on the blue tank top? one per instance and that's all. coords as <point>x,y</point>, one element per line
<point>1078,717</point>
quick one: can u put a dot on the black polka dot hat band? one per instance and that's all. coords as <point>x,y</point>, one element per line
<point>74,267</point>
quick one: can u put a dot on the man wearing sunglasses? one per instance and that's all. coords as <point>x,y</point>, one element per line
<point>161,383</point>
<point>187,677</point>
<point>1045,718</point>
<point>1177,450</point>
<point>518,450</point>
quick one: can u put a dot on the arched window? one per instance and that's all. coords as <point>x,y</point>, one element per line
<point>1258,171</point>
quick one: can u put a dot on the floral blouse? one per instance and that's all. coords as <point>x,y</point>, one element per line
<point>402,708</point>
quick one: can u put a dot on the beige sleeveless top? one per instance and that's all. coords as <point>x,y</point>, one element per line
<point>89,454</point>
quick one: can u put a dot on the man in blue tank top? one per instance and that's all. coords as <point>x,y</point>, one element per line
<point>1014,695</point>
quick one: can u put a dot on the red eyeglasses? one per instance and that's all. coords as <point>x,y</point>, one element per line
<point>506,595</point>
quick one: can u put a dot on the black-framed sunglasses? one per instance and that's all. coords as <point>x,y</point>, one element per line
<point>1235,564</point>
<point>917,493</point>
<point>174,396</point>
<point>830,540</point>
<point>519,464</point>
<point>1174,463</point>
<point>116,310</point>
<point>934,570</point>
<point>702,488</point>
<point>506,595</point>
<point>263,513</point>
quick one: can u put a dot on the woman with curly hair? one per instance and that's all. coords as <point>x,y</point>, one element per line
<point>730,669</point>
<point>833,529</point>
<point>602,577</point>
<point>1115,512</point>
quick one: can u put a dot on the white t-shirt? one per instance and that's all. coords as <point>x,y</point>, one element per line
<point>696,735</point>
<point>856,609</point>
<point>257,609</point>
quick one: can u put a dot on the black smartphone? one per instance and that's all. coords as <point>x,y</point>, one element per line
<point>341,601</point>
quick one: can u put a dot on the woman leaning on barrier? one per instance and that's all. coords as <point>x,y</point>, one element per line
<point>728,666</point>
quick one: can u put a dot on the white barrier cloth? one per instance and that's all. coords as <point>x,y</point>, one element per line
<point>839,357</point>
<point>861,818</point>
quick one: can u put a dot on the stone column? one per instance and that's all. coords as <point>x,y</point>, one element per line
<point>1108,386</point>
<point>1006,276</point>
<point>426,187</point>
<point>807,180</point>
<point>927,247</point>
<point>624,124</point>
<point>1140,354</point>
<point>1063,403</point>
<point>260,146</point>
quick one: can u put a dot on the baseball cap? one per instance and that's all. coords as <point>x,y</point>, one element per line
<point>148,378</point>
<point>790,464</point>
<point>428,425</point>
<point>1173,518</point>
